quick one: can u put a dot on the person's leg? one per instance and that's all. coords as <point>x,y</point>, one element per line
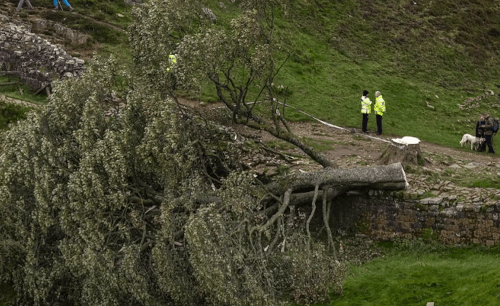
<point>55,3</point>
<point>490,145</point>
<point>379,124</point>
<point>29,4</point>
<point>66,3</point>
<point>365,122</point>
<point>20,5</point>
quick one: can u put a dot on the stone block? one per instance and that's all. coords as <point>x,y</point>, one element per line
<point>417,225</point>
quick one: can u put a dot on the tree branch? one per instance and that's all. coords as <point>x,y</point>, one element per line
<point>310,218</point>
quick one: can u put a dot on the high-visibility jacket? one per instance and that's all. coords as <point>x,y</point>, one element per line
<point>172,60</point>
<point>365,105</point>
<point>379,107</point>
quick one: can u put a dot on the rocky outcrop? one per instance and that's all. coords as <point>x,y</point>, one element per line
<point>74,38</point>
<point>36,60</point>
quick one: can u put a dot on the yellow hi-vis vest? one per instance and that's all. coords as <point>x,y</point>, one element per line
<point>379,107</point>
<point>365,105</point>
<point>172,60</point>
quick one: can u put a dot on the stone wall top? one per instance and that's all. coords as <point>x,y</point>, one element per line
<point>37,61</point>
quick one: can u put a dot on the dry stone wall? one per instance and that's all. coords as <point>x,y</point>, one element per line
<point>385,215</point>
<point>36,60</point>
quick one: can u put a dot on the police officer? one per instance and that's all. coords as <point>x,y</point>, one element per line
<point>379,109</point>
<point>365,109</point>
<point>172,60</point>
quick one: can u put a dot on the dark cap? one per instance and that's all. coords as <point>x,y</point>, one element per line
<point>365,92</point>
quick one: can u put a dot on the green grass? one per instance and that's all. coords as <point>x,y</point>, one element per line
<point>413,54</point>
<point>101,21</point>
<point>427,194</point>
<point>435,52</point>
<point>20,91</point>
<point>446,276</point>
<point>102,10</point>
<point>486,183</point>
<point>101,33</point>
<point>320,145</point>
<point>280,145</point>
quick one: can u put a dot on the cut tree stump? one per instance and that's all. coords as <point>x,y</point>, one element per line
<point>404,150</point>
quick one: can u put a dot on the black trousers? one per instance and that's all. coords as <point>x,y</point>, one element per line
<point>490,145</point>
<point>379,124</point>
<point>365,122</point>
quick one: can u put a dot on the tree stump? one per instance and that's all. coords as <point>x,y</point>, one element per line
<point>404,150</point>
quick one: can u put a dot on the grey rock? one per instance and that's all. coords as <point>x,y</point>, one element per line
<point>435,201</point>
<point>470,166</point>
<point>209,14</point>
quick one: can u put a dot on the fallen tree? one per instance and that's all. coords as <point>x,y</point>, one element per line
<point>150,206</point>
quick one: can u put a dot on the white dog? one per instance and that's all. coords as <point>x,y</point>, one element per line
<point>475,142</point>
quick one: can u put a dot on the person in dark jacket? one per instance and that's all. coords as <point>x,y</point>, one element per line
<point>480,133</point>
<point>488,131</point>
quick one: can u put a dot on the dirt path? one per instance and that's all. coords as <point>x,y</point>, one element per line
<point>35,13</point>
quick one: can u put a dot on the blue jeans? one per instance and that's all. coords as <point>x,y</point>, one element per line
<point>63,1</point>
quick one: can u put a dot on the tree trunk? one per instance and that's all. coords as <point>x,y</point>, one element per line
<point>378,177</point>
<point>335,182</point>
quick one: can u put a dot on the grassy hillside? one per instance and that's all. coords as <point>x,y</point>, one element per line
<point>415,53</point>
